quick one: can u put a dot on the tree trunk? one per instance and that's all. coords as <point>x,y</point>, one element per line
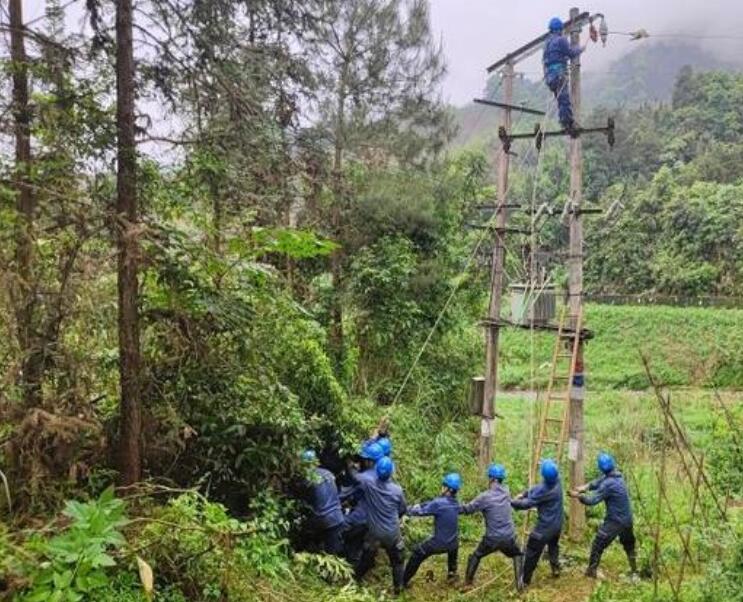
<point>217,215</point>
<point>336,258</point>
<point>128,249</point>
<point>25,301</point>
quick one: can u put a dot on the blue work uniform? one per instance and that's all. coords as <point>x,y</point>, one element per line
<point>612,490</point>
<point>500,534</point>
<point>557,53</point>
<point>547,499</point>
<point>445,539</point>
<point>355,524</point>
<point>327,516</point>
<point>385,504</point>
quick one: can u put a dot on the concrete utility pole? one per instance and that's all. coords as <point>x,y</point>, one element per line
<point>492,330</point>
<point>575,289</point>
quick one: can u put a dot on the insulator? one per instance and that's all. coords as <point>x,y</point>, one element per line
<point>603,31</point>
<point>593,33</point>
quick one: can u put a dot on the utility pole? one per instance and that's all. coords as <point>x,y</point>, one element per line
<point>492,329</point>
<point>575,254</point>
<point>575,290</point>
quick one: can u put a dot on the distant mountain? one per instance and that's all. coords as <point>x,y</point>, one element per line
<point>648,74</point>
<point>478,124</point>
<point>645,75</point>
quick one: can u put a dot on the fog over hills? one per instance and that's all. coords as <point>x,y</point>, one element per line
<point>644,75</point>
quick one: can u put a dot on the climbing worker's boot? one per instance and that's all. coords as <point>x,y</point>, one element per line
<point>591,571</point>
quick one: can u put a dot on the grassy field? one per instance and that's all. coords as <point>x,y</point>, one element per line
<point>627,423</point>
<point>686,346</point>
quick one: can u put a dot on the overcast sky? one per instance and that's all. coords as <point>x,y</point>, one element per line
<point>476,33</point>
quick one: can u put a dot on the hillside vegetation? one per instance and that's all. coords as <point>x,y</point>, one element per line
<point>688,346</point>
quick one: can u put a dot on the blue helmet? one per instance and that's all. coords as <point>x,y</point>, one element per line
<point>605,462</point>
<point>386,445</point>
<point>453,481</point>
<point>371,451</point>
<point>549,471</point>
<point>309,455</point>
<point>497,471</point>
<point>555,24</point>
<point>385,467</point>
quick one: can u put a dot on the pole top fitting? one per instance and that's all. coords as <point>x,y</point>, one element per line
<point>575,27</point>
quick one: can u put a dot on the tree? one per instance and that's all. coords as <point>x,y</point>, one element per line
<point>380,70</point>
<point>25,301</point>
<point>127,232</point>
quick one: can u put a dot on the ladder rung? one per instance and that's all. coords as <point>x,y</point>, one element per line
<point>548,419</point>
<point>565,355</point>
<point>558,398</point>
<point>550,441</point>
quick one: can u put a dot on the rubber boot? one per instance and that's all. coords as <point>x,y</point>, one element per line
<point>472,563</point>
<point>632,563</point>
<point>518,572</point>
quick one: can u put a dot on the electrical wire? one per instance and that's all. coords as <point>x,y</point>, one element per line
<point>688,36</point>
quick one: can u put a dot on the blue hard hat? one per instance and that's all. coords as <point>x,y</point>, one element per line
<point>549,471</point>
<point>371,451</point>
<point>309,455</point>
<point>555,24</point>
<point>386,445</point>
<point>385,468</point>
<point>453,481</point>
<point>497,471</point>
<point>605,462</point>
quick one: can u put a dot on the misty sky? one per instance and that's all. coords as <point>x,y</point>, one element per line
<point>476,33</point>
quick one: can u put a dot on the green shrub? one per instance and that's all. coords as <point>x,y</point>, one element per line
<point>76,564</point>
<point>195,545</point>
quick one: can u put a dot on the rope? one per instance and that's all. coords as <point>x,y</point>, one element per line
<point>528,293</point>
<point>449,299</point>
<point>455,286</point>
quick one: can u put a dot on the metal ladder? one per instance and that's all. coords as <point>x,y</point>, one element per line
<point>554,417</point>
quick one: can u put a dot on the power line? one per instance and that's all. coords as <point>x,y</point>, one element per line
<point>642,35</point>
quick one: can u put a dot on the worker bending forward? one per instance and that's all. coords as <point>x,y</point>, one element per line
<point>385,504</point>
<point>546,497</point>
<point>322,494</point>
<point>445,540</point>
<point>500,535</point>
<point>612,490</point>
